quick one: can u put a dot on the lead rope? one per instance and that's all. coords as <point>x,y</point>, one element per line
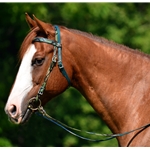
<point>42,112</point>
<point>67,128</point>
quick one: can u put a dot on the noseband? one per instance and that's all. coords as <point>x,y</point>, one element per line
<point>35,101</point>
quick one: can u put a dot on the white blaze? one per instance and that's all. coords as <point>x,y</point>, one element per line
<point>23,82</point>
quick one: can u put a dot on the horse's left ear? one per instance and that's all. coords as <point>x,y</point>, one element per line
<point>47,28</point>
<point>30,21</point>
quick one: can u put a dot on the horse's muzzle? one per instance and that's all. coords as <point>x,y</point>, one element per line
<point>23,118</point>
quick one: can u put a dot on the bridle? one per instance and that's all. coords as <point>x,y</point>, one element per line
<point>35,102</point>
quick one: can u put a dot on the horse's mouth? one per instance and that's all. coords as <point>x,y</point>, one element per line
<point>23,118</point>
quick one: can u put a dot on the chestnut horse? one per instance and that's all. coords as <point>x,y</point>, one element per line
<point>113,78</point>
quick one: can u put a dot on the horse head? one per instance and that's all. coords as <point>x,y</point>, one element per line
<point>38,69</point>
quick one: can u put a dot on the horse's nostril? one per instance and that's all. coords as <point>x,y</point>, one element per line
<point>12,110</point>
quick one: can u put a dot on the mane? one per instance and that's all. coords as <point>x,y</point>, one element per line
<point>27,41</point>
<point>110,43</point>
<point>33,33</point>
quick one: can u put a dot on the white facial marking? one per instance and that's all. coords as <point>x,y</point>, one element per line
<point>23,82</point>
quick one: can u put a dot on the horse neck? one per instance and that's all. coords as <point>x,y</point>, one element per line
<point>114,81</point>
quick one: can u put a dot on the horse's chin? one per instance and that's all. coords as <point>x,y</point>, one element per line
<point>22,119</point>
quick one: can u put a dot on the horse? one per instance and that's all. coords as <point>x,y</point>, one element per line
<point>113,78</point>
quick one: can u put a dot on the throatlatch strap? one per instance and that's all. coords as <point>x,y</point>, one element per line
<point>60,65</point>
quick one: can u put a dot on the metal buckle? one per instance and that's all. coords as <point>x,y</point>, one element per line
<point>60,65</point>
<point>58,45</point>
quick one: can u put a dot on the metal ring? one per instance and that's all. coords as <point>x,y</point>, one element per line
<point>33,102</point>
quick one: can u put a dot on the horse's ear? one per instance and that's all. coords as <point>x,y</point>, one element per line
<point>48,29</point>
<point>30,21</point>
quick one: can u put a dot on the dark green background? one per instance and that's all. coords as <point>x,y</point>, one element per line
<point>124,23</point>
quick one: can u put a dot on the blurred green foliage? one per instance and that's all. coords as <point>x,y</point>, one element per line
<point>124,23</point>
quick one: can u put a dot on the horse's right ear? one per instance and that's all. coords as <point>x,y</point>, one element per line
<point>30,21</point>
<point>47,28</point>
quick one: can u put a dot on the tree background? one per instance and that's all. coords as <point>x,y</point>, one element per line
<point>124,23</point>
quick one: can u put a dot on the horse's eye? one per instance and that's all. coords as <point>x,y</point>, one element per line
<point>38,61</point>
